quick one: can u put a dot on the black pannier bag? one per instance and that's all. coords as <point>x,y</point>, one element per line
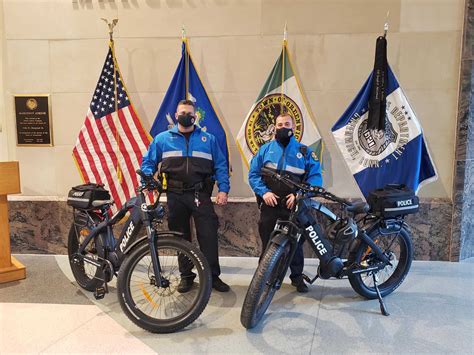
<point>82,196</point>
<point>393,200</point>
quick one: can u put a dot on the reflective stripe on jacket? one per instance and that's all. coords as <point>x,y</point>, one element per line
<point>289,160</point>
<point>190,161</point>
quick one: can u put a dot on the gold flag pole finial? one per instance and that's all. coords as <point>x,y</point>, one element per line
<point>385,26</point>
<point>111,26</point>
<point>285,32</point>
<point>183,32</point>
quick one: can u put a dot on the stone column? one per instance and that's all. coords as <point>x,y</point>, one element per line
<point>3,128</point>
<point>462,237</point>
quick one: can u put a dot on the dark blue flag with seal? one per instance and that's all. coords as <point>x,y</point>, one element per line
<point>379,135</point>
<point>186,84</point>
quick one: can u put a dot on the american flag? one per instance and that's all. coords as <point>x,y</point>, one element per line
<point>111,142</point>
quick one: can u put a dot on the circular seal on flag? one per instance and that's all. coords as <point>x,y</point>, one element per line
<point>31,104</point>
<point>260,126</point>
<point>373,141</point>
<point>204,138</point>
<point>371,148</point>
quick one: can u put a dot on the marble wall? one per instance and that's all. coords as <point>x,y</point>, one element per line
<point>42,227</point>
<point>462,240</point>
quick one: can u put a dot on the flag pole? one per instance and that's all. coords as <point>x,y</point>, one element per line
<point>285,36</point>
<point>385,26</point>
<point>186,61</point>
<point>111,26</point>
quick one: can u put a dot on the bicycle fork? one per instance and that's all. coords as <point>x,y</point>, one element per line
<point>157,279</point>
<point>281,276</point>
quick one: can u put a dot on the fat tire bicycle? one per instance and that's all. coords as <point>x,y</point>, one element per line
<point>376,257</point>
<point>147,267</point>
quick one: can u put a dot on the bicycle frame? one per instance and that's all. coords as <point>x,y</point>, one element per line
<point>302,223</point>
<point>140,214</point>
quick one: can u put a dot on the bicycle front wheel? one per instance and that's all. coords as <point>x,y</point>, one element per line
<point>163,309</point>
<point>264,284</point>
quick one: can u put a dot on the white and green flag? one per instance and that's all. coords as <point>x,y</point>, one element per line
<point>281,91</point>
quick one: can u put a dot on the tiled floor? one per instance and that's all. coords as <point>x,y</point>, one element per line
<point>432,312</point>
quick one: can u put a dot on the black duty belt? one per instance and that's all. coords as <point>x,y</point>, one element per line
<point>180,187</point>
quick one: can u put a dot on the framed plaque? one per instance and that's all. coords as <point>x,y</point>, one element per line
<point>33,121</point>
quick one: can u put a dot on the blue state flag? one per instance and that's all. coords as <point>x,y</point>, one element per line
<point>395,154</point>
<point>186,84</point>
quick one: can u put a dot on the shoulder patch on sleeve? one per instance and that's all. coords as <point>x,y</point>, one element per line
<point>314,156</point>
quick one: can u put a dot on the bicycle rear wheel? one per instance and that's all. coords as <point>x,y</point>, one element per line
<point>87,276</point>
<point>163,309</point>
<point>398,247</point>
<point>263,286</point>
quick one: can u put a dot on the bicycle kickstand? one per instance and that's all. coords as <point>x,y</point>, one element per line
<point>383,309</point>
<point>310,280</point>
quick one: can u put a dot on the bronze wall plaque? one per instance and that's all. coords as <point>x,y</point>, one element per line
<point>33,121</point>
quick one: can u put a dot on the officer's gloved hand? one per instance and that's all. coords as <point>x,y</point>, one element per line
<point>146,179</point>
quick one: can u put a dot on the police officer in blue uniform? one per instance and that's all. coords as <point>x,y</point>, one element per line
<point>284,155</point>
<point>191,161</point>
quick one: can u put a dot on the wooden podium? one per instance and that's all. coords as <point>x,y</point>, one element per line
<point>10,268</point>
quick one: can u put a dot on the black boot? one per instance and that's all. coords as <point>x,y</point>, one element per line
<point>300,285</point>
<point>219,285</point>
<point>186,283</point>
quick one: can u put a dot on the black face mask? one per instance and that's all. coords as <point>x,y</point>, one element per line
<point>283,135</point>
<point>186,120</point>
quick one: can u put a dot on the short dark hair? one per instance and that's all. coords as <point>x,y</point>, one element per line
<point>186,102</point>
<point>284,113</point>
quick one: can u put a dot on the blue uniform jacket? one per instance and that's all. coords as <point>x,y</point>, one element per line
<point>187,161</point>
<point>287,159</point>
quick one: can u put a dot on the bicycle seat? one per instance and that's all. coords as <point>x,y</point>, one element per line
<point>100,203</point>
<point>358,207</point>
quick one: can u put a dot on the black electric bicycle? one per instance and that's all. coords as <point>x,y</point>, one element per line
<point>374,252</point>
<point>146,267</point>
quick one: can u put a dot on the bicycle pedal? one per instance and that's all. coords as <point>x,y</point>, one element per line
<point>99,293</point>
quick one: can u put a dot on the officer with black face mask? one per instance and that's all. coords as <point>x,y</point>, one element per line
<point>192,161</point>
<point>287,156</point>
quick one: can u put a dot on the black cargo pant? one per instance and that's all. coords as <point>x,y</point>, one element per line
<point>181,207</point>
<point>266,224</point>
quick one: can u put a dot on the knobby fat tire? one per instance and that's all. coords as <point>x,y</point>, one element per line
<point>249,317</point>
<point>396,278</point>
<point>156,325</point>
<point>82,279</point>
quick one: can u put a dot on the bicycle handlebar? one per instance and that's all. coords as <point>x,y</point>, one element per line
<point>308,189</point>
<point>150,183</point>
